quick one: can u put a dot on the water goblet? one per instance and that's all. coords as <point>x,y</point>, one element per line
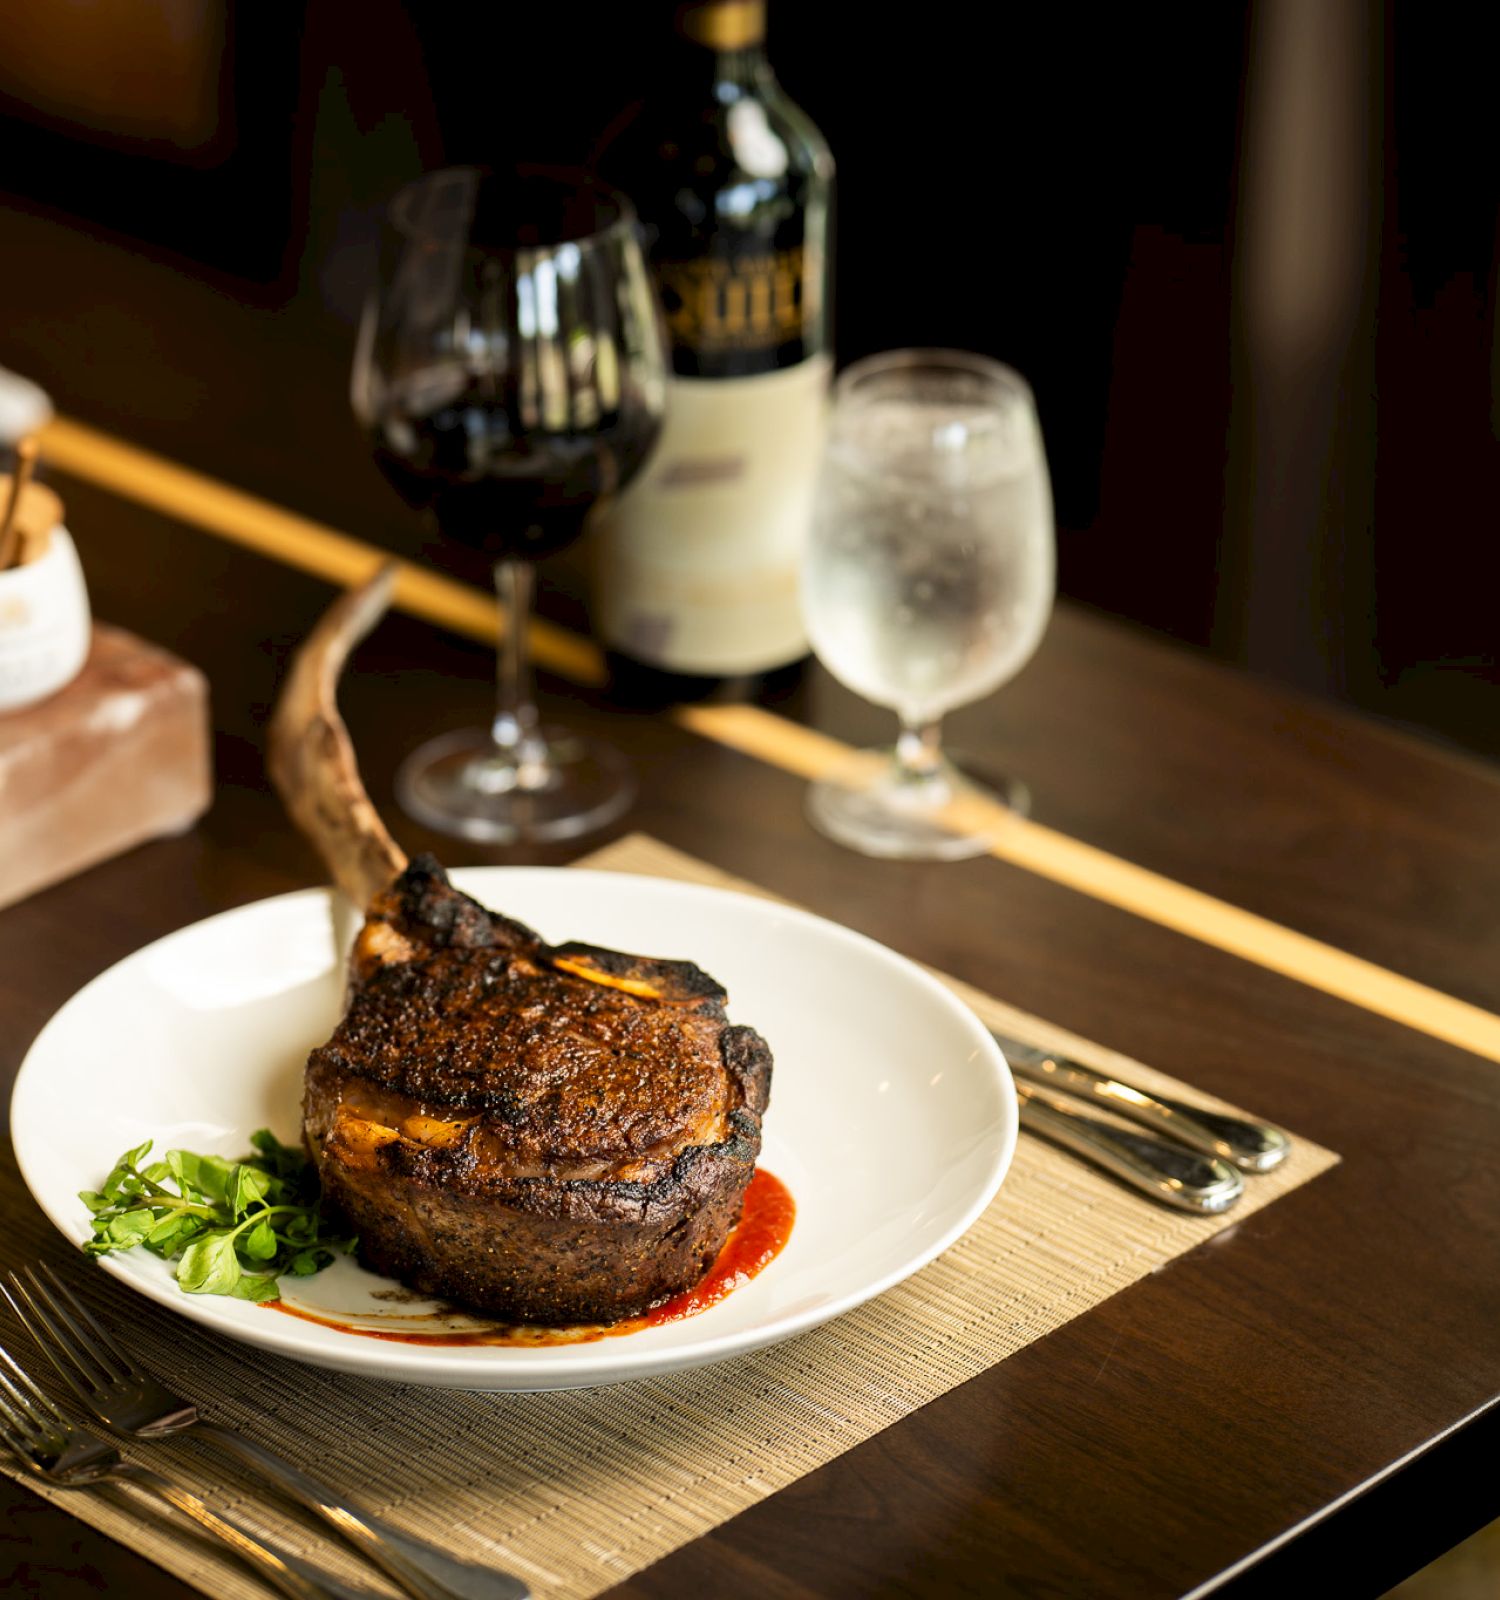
<point>927,584</point>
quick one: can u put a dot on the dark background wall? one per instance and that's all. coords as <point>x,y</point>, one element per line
<point>1245,253</point>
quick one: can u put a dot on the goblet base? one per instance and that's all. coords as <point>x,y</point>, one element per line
<point>464,785</point>
<point>874,805</point>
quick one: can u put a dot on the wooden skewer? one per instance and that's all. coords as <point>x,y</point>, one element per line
<point>26,454</point>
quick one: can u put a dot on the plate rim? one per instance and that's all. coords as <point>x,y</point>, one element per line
<point>375,1358</point>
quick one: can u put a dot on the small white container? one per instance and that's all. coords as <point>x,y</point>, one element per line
<point>44,624</point>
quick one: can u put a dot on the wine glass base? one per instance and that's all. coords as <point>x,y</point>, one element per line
<point>869,804</point>
<point>457,784</point>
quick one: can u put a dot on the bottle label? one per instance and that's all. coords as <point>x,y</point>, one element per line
<point>698,562</point>
<point>749,302</point>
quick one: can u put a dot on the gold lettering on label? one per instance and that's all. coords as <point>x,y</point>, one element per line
<point>785,283</point>
<point>761,294</point>
<point>736,307</point>
<point>740,303</point>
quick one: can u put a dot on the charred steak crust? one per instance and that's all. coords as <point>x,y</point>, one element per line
<point>553,1253</point>
<point>682,979</point>
<point>547,1134</point>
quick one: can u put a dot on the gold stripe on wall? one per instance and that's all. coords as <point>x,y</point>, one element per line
<point>259,525</point>
<point>313,547</point>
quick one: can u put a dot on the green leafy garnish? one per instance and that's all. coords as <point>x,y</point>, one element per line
<point>232,1227</point>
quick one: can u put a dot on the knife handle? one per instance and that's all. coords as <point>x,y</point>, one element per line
<point>1175,1177</point>
<point>1251,1146</point>
<point>418,1568</point>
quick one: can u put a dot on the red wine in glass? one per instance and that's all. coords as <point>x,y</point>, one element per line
<point>453,455</point>
<point>511,369</point>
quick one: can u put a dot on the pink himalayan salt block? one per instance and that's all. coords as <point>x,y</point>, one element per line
<point>118,756</point>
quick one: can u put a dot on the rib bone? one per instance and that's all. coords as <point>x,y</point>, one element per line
<point>310,756</point>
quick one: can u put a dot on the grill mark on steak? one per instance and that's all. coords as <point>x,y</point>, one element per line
<point>551,1061</point>
<point>520,1136</point>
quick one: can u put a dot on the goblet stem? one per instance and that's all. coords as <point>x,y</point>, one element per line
<point>511,783</point>
<point>919,759</point>
<point>519,745</point>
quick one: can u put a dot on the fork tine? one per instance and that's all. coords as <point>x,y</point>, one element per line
<point>109,1355</point>
<point>26,1406</point>
<point>47,1341</point>
<point>10,1435</point>
<point>13,1418</point>
<point>68,1351</point>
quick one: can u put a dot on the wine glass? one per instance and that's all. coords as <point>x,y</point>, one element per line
<point>510,370</point>
<point>927,584</point>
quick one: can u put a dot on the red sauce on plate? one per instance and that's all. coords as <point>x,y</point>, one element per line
<point>764,1227</point>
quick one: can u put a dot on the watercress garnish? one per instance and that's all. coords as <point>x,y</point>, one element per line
<point>232,1227</point>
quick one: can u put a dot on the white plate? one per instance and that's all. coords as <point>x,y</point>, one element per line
<point>892,1120</point>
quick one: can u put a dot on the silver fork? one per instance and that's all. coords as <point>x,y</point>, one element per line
<point>130,1401</point>
<point>67,1456</point>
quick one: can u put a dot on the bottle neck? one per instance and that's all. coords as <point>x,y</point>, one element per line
<point>727,37</point>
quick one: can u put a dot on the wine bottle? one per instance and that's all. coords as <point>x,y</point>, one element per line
<point>696,564</point>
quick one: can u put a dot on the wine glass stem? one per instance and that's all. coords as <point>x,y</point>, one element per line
<point>518,740</point>
<point>919,752</point>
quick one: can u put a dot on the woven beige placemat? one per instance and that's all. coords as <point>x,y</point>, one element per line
<point>575,1491</point>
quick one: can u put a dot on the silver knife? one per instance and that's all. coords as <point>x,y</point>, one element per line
<point>1175,1176</point>
<point>1251,1146</point>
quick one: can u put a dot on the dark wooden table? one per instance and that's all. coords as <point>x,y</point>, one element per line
<point>1315,1386</point>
